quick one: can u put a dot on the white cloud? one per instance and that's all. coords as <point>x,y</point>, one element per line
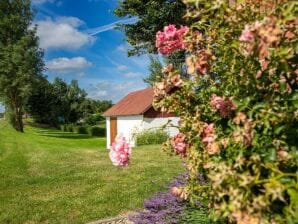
<point>62,33</point>
<point>123,48</point>
<point>122,68</point>
<point>113,90</point>
<point>130,75</point>
<point>65,65</point>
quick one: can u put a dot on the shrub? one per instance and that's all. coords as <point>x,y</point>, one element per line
<point>81,130</point>
<point>93,119</point>
<point>239,109</point>
<point>69,127</point>
<point>62,127</point>
<point>149,137</point>
<point>97,131</point>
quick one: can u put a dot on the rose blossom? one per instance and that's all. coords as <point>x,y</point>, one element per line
<point>179,144</point>
<point>246,35</point>
<point>224,106</point>
<point>120,152</point>
<point>171,39</point>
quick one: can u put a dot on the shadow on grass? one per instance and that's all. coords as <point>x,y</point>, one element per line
<point>54,133</point>
<point>66,135</point>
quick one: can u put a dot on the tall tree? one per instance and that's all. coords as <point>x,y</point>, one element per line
<point>152,16</point>
<point>155,71</point>
<point>20,57</point>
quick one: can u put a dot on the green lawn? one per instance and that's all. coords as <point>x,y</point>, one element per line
<point>48,176</point>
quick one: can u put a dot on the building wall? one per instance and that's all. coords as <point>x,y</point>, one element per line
<point>108,132</point>
<point>126,126</point>
<point>130,125</point>
<point>158,123</point>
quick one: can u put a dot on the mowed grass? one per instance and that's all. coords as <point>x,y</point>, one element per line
<point>47,176</point>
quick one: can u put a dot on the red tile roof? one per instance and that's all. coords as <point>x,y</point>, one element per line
<point>135,103</point>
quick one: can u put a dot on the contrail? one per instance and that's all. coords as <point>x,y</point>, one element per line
<point>110,26</point>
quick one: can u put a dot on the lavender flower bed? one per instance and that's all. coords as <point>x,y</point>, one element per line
<point>162,207</point>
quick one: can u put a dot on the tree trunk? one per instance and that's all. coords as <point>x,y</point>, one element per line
<point>19,120</point>
<point>16,113</point>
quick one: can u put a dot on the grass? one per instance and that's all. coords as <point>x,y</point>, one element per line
<point>48,176</point>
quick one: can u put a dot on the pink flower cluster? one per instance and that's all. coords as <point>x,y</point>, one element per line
<point>208,135</point>
<point>208,138</point>
<point>224,106</point>
<point>179,144</point>
<point>261,36</point>
<point>171,39</point>
<point>120,152</point>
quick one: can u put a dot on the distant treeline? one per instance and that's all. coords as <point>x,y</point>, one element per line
<point>62,103</point>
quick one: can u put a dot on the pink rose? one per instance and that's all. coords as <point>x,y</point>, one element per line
<point>179,144</point>
<point>247,35</point>
<point>171,39</point>
<point>120,152</point>
<point>224,106</point>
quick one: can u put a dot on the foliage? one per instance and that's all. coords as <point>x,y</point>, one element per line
<point>151,137</point>
<point>69,128</point>
<point>238,109</point>
<point>97,131</point>
<point>66,103</point>
<point>155,71</point>
<point>152,16</point>
<point>62,127</point>
<point>20,57</point>
<point>66,177</point>
<point>44,113</point>
<point>93,119</point>
<point>81,130</point>
<point>194,215</point>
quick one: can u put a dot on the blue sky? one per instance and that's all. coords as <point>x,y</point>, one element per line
<point>80,43</point>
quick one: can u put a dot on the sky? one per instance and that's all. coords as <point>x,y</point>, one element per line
<point>80,42</point>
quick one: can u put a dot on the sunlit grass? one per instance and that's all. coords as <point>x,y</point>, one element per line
<point>48,176</point>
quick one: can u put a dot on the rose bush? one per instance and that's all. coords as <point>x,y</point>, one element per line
<point>238,108</point>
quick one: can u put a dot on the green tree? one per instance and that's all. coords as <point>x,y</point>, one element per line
<point>20,57</point>
<point>155,71</point>
<point>152,16</point>
<point>45,113</point>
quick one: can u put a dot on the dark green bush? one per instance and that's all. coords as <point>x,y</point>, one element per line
<point>151,137</point>
<point>81,130</point>
<point>69,128</point>
<point>93,119</point>
<point>97,131</point>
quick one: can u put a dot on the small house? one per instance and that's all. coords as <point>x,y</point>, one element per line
<point>134,114</point>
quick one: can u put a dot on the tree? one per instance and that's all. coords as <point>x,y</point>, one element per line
<point>45,113</point>
<point>152,16</point>
<point>20,57</point>
<point>155,71</point>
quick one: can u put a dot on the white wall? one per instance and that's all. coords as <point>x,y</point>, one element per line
<point>129,125</point>
<point>108,132</point>
<point>157,123</point>
<point>126,125</point>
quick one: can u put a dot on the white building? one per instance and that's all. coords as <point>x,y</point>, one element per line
<point>134,114</point>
